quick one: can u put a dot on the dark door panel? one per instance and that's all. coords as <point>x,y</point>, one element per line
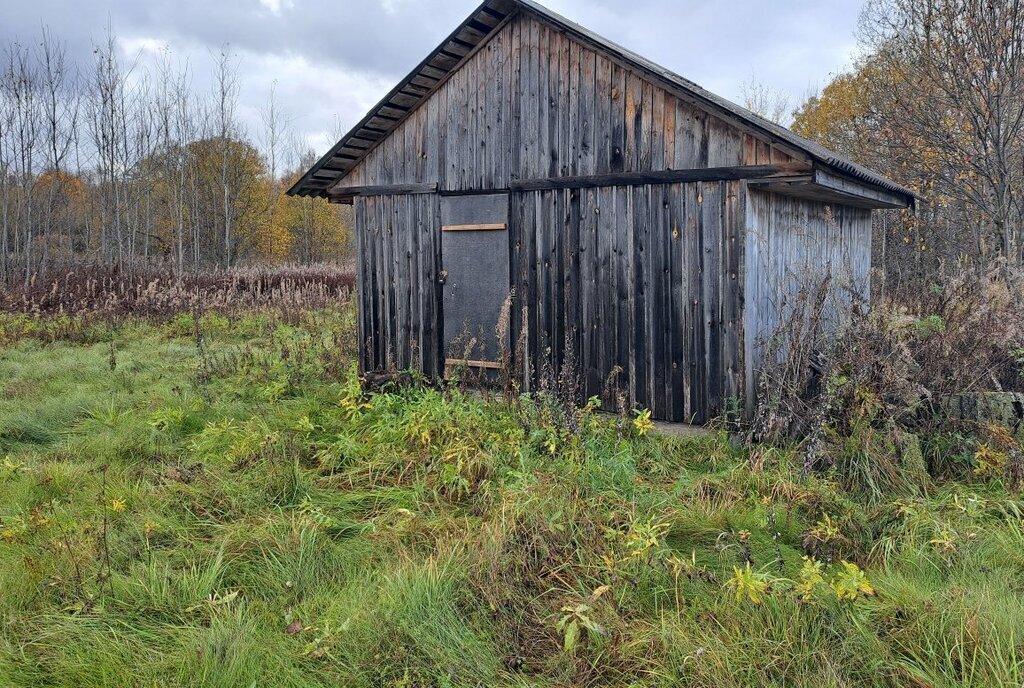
<point>474,251</point>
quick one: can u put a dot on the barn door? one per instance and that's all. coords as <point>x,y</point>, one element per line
<point>474,260</point>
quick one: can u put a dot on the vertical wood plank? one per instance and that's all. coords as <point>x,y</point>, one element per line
<point>603,125</point>
<point>677,323</point>
<point>619,120</point>
<point>544,102</point>
<point>587,105</point>
<point>556,105</point>
<point>623,286</point>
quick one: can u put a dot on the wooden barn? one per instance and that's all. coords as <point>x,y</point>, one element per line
<point>532,182</point>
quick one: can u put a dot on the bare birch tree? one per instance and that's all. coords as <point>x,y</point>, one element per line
<point>6,155</point>
<point>225,103</point>
<point>104,112</point>
<point>177,126</point>
<point>765,101</point>
<point>60,119</point>
<point>273,135</point>
<point>21,88</point>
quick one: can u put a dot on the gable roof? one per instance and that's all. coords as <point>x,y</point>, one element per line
<point>485,21</point>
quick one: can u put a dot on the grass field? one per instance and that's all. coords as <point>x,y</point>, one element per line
<point>220,504</point>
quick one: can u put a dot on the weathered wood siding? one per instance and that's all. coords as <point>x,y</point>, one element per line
<point>532,103</point>
<point>644,279</point>
<point>662,282</point>
<point>792,242</point>
<point>398,249</point>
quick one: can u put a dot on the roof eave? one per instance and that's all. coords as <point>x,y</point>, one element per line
<point>469,35</point>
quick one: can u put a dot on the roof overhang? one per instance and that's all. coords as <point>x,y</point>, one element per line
<point>415,88</point>
<point>828,186</point>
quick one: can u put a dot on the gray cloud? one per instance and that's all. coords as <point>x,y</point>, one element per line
<point>332,59</point>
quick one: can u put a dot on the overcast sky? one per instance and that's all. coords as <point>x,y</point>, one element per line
<point>333,59</point>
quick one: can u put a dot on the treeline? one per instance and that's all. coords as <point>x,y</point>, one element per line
<point>936,102</point>
<point>123,164</point>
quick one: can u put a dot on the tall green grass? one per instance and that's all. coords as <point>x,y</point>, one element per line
<point>240,513</point>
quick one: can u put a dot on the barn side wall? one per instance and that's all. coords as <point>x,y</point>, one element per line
<point>644,280</point>
<point>792,243</point>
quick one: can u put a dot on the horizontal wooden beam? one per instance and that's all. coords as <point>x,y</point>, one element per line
<point>393,189</point>
<point>472,228</point>
<point>468,363</point>
<point>706,174</point>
